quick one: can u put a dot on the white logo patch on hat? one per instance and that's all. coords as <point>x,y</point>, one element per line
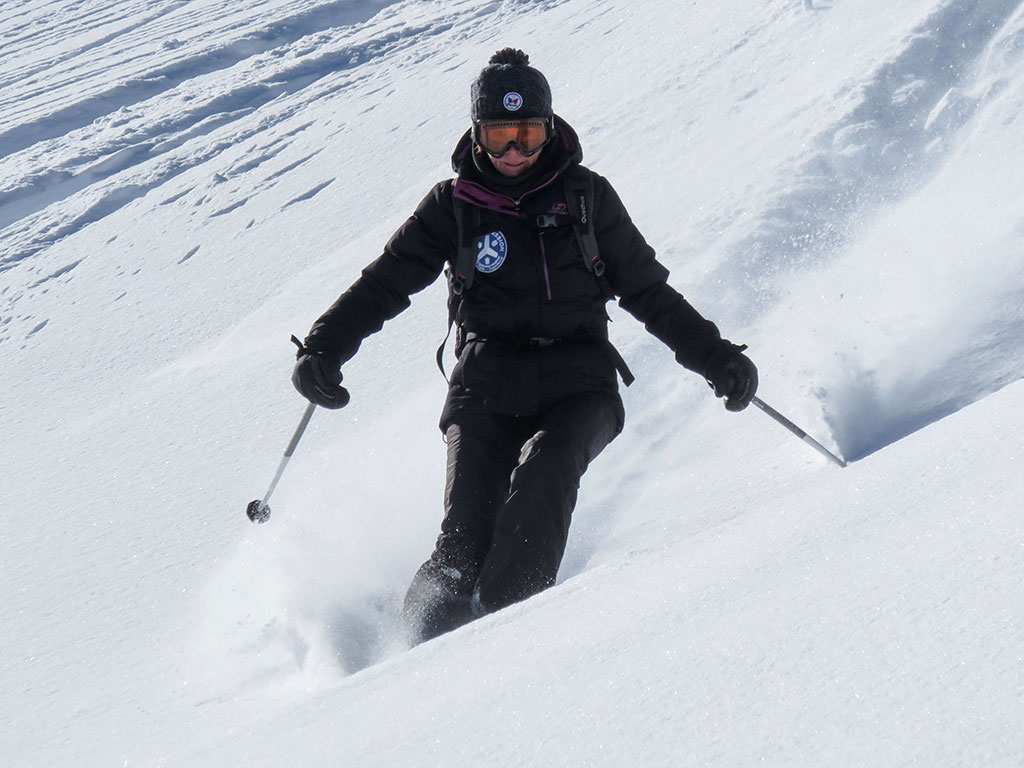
<point>513,101</point>
<point>491,250</point>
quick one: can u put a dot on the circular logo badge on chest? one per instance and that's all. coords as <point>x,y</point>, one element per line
<point>491,250</point>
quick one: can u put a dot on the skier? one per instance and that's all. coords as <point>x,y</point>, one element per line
<point>533,397</point>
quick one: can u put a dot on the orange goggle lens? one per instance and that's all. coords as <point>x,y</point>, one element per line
<point>529,136</point>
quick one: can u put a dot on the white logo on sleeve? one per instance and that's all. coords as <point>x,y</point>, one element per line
<point>491,250</point>
<point>513,101</point>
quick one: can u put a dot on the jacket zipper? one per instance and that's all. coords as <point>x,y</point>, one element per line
<point>540,241</point>
<point>544,263</point>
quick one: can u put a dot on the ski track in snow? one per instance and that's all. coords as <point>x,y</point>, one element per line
<point>115,146</point>
<point>112,148</point>
<point>128,43</point>
<point>904,120</point>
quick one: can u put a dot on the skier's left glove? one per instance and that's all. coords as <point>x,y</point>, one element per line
<point>732,375</point>
<point>317,376</point>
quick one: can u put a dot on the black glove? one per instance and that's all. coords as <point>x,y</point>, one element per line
<point>317,376</point>
<point>732,375</point>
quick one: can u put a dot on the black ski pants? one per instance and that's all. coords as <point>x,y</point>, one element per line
<point>512,483</point>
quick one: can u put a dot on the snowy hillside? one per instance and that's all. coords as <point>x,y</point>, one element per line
<point>185,183</point>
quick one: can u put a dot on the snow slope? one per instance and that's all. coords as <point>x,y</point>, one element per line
<point>183,184</point>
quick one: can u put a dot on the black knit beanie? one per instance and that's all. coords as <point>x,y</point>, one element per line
<point>508,88</point>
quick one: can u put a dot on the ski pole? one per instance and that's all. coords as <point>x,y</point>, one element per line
<point>797,431</point>
<point>258,510</point>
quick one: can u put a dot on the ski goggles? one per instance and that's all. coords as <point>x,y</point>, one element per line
<point>528,136</point>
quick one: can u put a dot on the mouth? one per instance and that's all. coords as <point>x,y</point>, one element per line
<point>512,166</point>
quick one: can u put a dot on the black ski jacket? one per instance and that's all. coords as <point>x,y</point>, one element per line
<point>533,325</point>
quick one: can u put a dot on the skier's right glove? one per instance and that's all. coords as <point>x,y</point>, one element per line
<point>317,376</point>
<point>732,375</point>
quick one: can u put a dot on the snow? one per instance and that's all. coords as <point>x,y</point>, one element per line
<point>185,184</point>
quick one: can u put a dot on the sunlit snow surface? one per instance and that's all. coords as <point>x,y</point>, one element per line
<point>184,184</point>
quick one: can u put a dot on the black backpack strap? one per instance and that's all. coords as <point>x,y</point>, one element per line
<point>579,196</point>
<point>463,269</point>
<point>440,352</point>
<point>467,217</point>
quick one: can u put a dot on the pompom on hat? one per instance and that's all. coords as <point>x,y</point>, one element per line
<point>508,88</point>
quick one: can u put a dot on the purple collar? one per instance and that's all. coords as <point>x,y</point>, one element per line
<point>477,194</point>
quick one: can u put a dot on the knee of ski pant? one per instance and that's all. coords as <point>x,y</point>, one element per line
<point>582,426</point>
<point>482,451</point>
<point>559,458</point>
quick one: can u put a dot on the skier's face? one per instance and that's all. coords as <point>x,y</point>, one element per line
<point>513,162</point>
